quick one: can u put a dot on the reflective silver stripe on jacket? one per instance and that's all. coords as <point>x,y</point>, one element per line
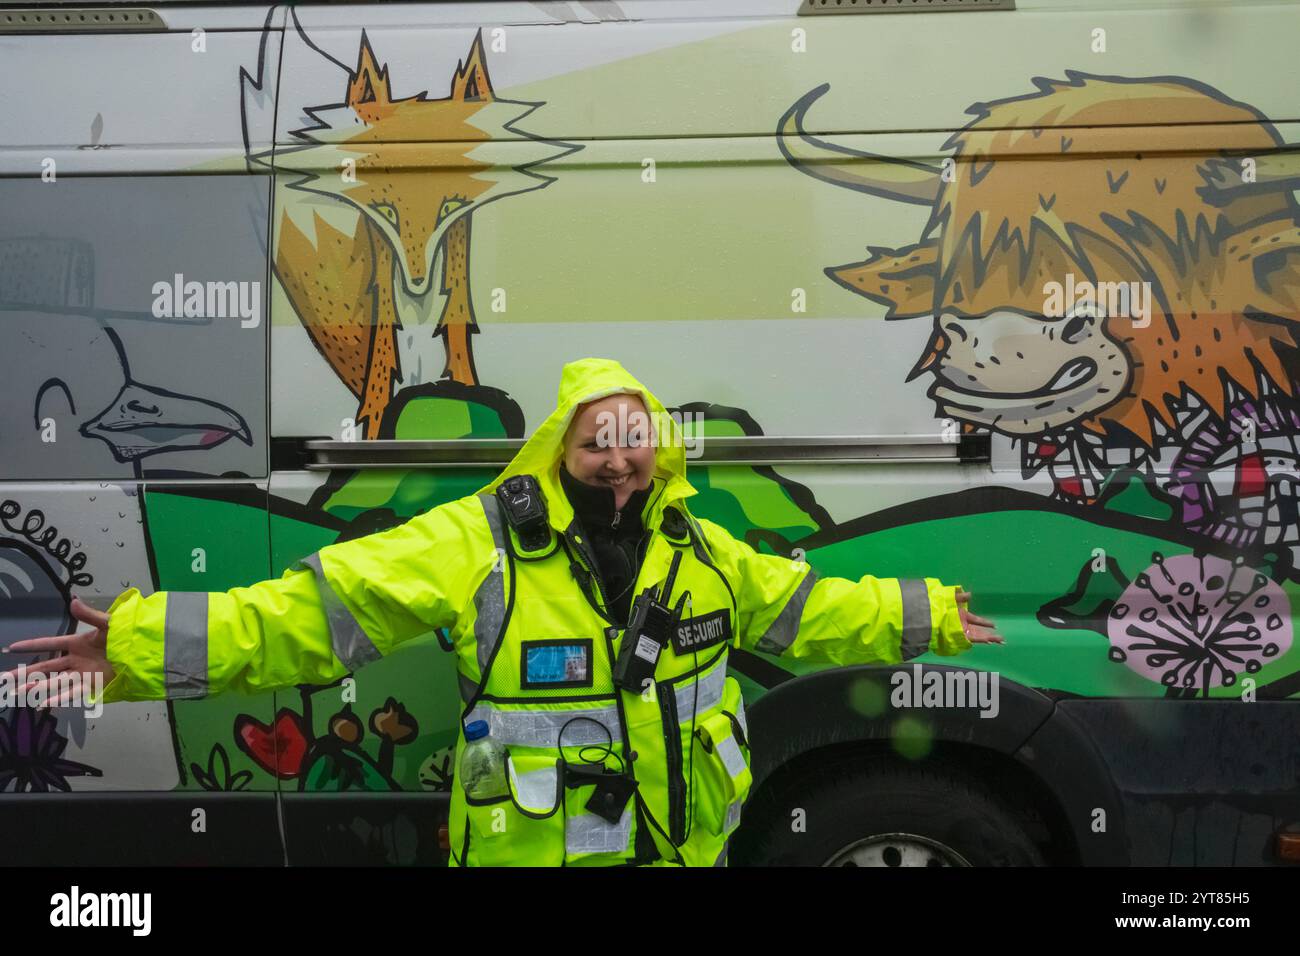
<point>733,815</point>
<point>350,643</point>
<point>490,598</point>
<point>590,833</point>
<point>537,790</point>
<point>467,687</point>
<point>698,541</point>
<point>711,686</point>
<point>593,725</point>
<point>541,728</point>
<point>786,626</point>
<point>916,617</point>
<point>185,644</point>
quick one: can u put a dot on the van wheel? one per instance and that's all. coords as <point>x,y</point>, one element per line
<point>877,813</point>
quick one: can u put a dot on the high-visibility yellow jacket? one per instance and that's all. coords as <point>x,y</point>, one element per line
<point>513,616</point>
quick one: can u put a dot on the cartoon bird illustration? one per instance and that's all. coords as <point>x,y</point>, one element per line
<point>144,420</point>
<point>77,409</point>
<point>75,380</point>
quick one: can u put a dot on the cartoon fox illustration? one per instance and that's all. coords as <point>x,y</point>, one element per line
<point>383,207</point>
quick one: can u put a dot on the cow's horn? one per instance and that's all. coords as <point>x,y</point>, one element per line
<point>900,179</point>
<point>1271,171</point>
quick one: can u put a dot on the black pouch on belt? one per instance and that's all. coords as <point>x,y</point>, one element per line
<point>613,789</point>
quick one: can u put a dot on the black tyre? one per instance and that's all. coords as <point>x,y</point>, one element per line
<point>874,812</point>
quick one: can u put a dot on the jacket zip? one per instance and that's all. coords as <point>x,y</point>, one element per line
<point>588,562</point>
<point>667,703</point>
<point>677,784</point>
<point>673,748</point>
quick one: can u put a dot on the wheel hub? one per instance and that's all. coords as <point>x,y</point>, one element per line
<point>897,849</point>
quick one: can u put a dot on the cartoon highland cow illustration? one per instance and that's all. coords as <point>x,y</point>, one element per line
<point>375,235</point>
<point>1050,190</point>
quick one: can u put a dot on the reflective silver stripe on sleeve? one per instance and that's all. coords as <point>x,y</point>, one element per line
<point>467,687</point>
<point>733,816</point>
<point>722,857</point>
<point>541,728</point>
<point>916,617</point>
<point>740,717</point>
<point>711,686</point>
<point>786,626</point>
<point>732,759</point>
<point>490,598</point>
<point>350,643</point>
<point>590,833</point>
<point>185,644</point>
<point>698,541</point>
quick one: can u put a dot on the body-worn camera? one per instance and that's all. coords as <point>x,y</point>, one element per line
<point>525,508</point>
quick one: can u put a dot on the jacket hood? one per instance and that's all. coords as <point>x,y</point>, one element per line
<point>587,380</point>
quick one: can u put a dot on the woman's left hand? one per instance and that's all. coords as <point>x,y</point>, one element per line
<point>979,630</point>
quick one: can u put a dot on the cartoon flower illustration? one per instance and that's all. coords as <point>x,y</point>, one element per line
<point>346,726</point>
<point>395,727</point>
<point>31,753</point>
<point>217,776</point>
<point>1197,622</point>
<point>278,749</point>
<point>436,771</point>
<point>336,760</point>
<point>392,722</point>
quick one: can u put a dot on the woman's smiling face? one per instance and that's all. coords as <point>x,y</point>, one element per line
<point>609,444</point>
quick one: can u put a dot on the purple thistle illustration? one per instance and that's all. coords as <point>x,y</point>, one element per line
<point>31,753</point>
<point>1198,622</point>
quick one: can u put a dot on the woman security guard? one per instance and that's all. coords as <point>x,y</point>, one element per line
<point>591,615</point>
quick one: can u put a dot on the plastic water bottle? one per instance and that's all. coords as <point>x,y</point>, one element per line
<point>482,768</point>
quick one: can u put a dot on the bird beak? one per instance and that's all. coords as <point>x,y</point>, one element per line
<point>142,421</point>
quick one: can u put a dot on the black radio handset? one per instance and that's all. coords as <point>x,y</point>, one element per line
<point>647,634</point>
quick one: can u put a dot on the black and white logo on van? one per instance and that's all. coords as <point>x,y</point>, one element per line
<point>696,633</point>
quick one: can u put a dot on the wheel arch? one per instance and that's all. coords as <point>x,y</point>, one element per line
<point>1031,755</point>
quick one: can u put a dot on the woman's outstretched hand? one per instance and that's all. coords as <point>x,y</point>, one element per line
<point>83,652</point>
<point>979,630</point>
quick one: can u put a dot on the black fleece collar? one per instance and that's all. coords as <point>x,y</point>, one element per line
<point>594,504</point>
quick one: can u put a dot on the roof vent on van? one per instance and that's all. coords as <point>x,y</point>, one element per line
<point>79,20</point>
<point>812,8</point>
